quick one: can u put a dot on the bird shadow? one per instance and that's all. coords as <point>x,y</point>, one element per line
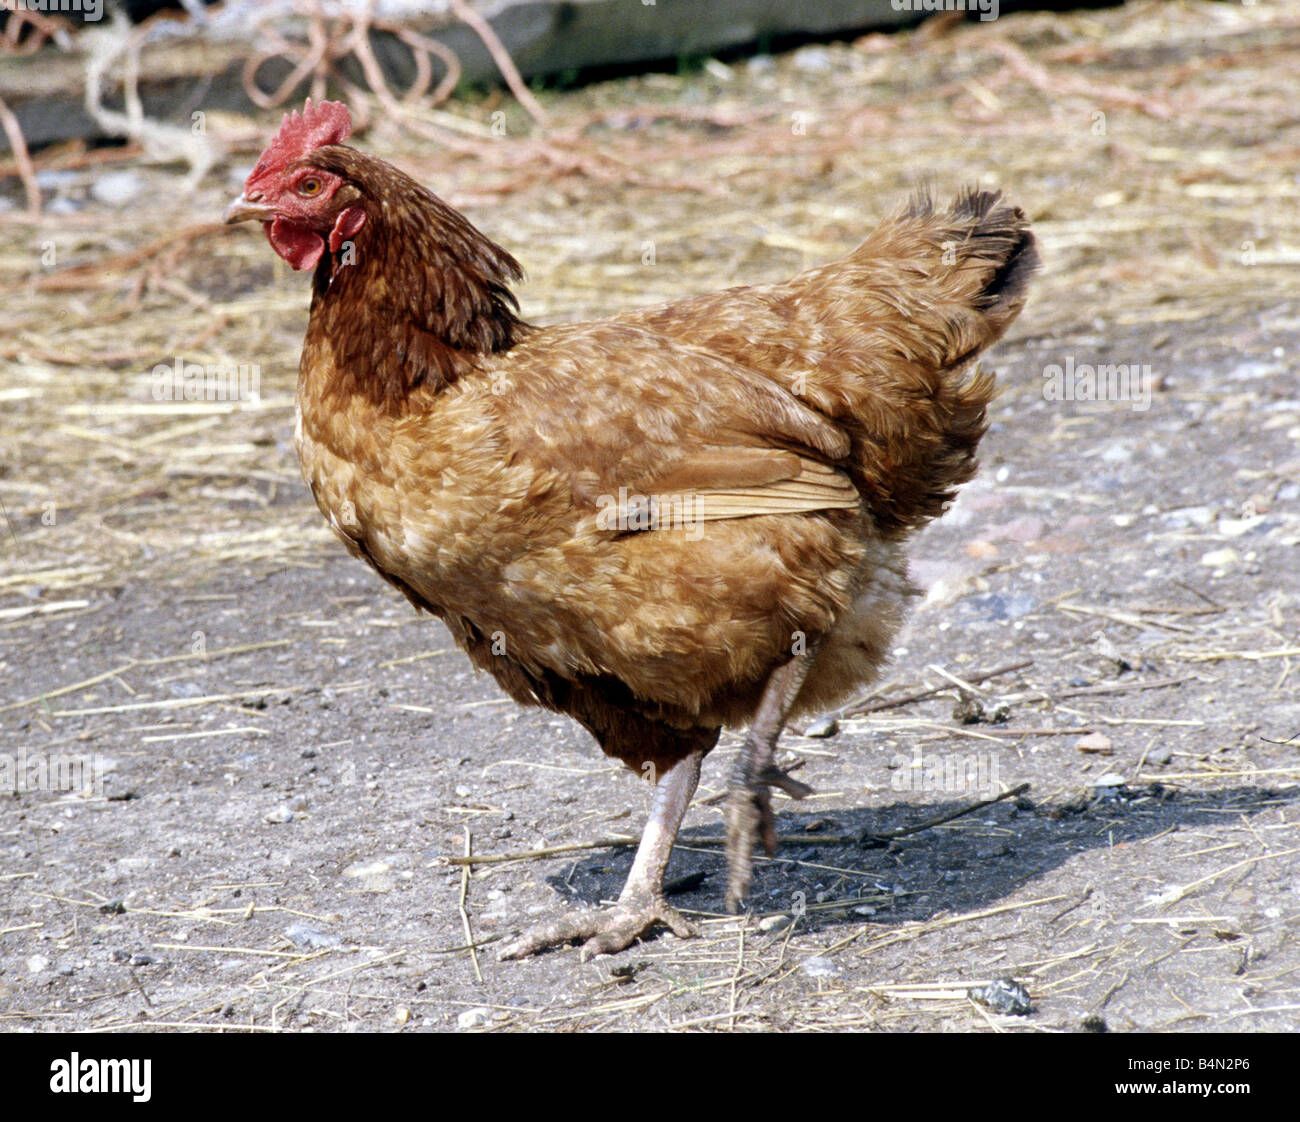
<point>971,863</point>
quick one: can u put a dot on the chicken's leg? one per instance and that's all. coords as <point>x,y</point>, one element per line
<point>641,905</point>
<point>749,802</point>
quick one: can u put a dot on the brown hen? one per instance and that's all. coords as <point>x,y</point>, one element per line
<point>662,523</point>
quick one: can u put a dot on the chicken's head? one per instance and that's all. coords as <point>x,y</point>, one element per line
<point>301,207</point>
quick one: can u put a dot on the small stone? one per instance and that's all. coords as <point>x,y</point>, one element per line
<point>1220,558</point>
<point>774,923</point>
<point>401,1014</point>
<point>1096,744</point>
<point>36,963</point>
<point>279,815</point>
<point>1110,779</point>
<point>823,728</point>
<point>473,1018</point>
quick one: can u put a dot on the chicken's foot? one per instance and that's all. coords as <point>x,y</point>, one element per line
<point>641,905</point>
<point>748,813</point>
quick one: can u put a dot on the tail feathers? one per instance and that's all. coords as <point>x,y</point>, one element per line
<point>932,289</point>
<point>979,234</point>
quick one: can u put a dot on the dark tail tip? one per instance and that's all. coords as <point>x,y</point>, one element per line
<point>983,225</point>
<point>1002,232</point>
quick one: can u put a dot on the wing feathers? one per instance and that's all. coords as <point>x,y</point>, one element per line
<point>808,486</point>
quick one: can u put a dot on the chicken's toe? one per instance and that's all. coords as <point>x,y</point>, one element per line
<point>625,924</point>
<point>602,930</point>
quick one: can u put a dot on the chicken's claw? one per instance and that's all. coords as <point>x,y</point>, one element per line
<point>604,930</point>
<point>775,777</point>
<point>749,818</point>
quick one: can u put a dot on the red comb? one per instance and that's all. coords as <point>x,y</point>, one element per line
<point>317,125</point>
<point>302,133</point>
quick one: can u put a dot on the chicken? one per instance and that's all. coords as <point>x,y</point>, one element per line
<point>664,523</point>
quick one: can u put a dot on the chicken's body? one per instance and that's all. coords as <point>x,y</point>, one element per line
<point>661,523</point>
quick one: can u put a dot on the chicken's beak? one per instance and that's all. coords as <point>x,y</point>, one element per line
<point>241,210</point>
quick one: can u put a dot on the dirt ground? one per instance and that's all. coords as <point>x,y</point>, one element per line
<point>290,762</point>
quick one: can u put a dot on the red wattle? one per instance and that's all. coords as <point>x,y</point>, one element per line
<point>301,247</point>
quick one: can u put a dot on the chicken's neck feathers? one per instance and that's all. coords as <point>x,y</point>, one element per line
<point>418,300</point>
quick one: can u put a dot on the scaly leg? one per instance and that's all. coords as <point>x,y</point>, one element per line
<point>641,904</point>
<point>748,812</point>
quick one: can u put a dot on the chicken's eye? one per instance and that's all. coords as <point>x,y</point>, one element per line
<point>309,187</point>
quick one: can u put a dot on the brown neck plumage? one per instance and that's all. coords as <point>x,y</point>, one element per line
<point>416,300</point>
